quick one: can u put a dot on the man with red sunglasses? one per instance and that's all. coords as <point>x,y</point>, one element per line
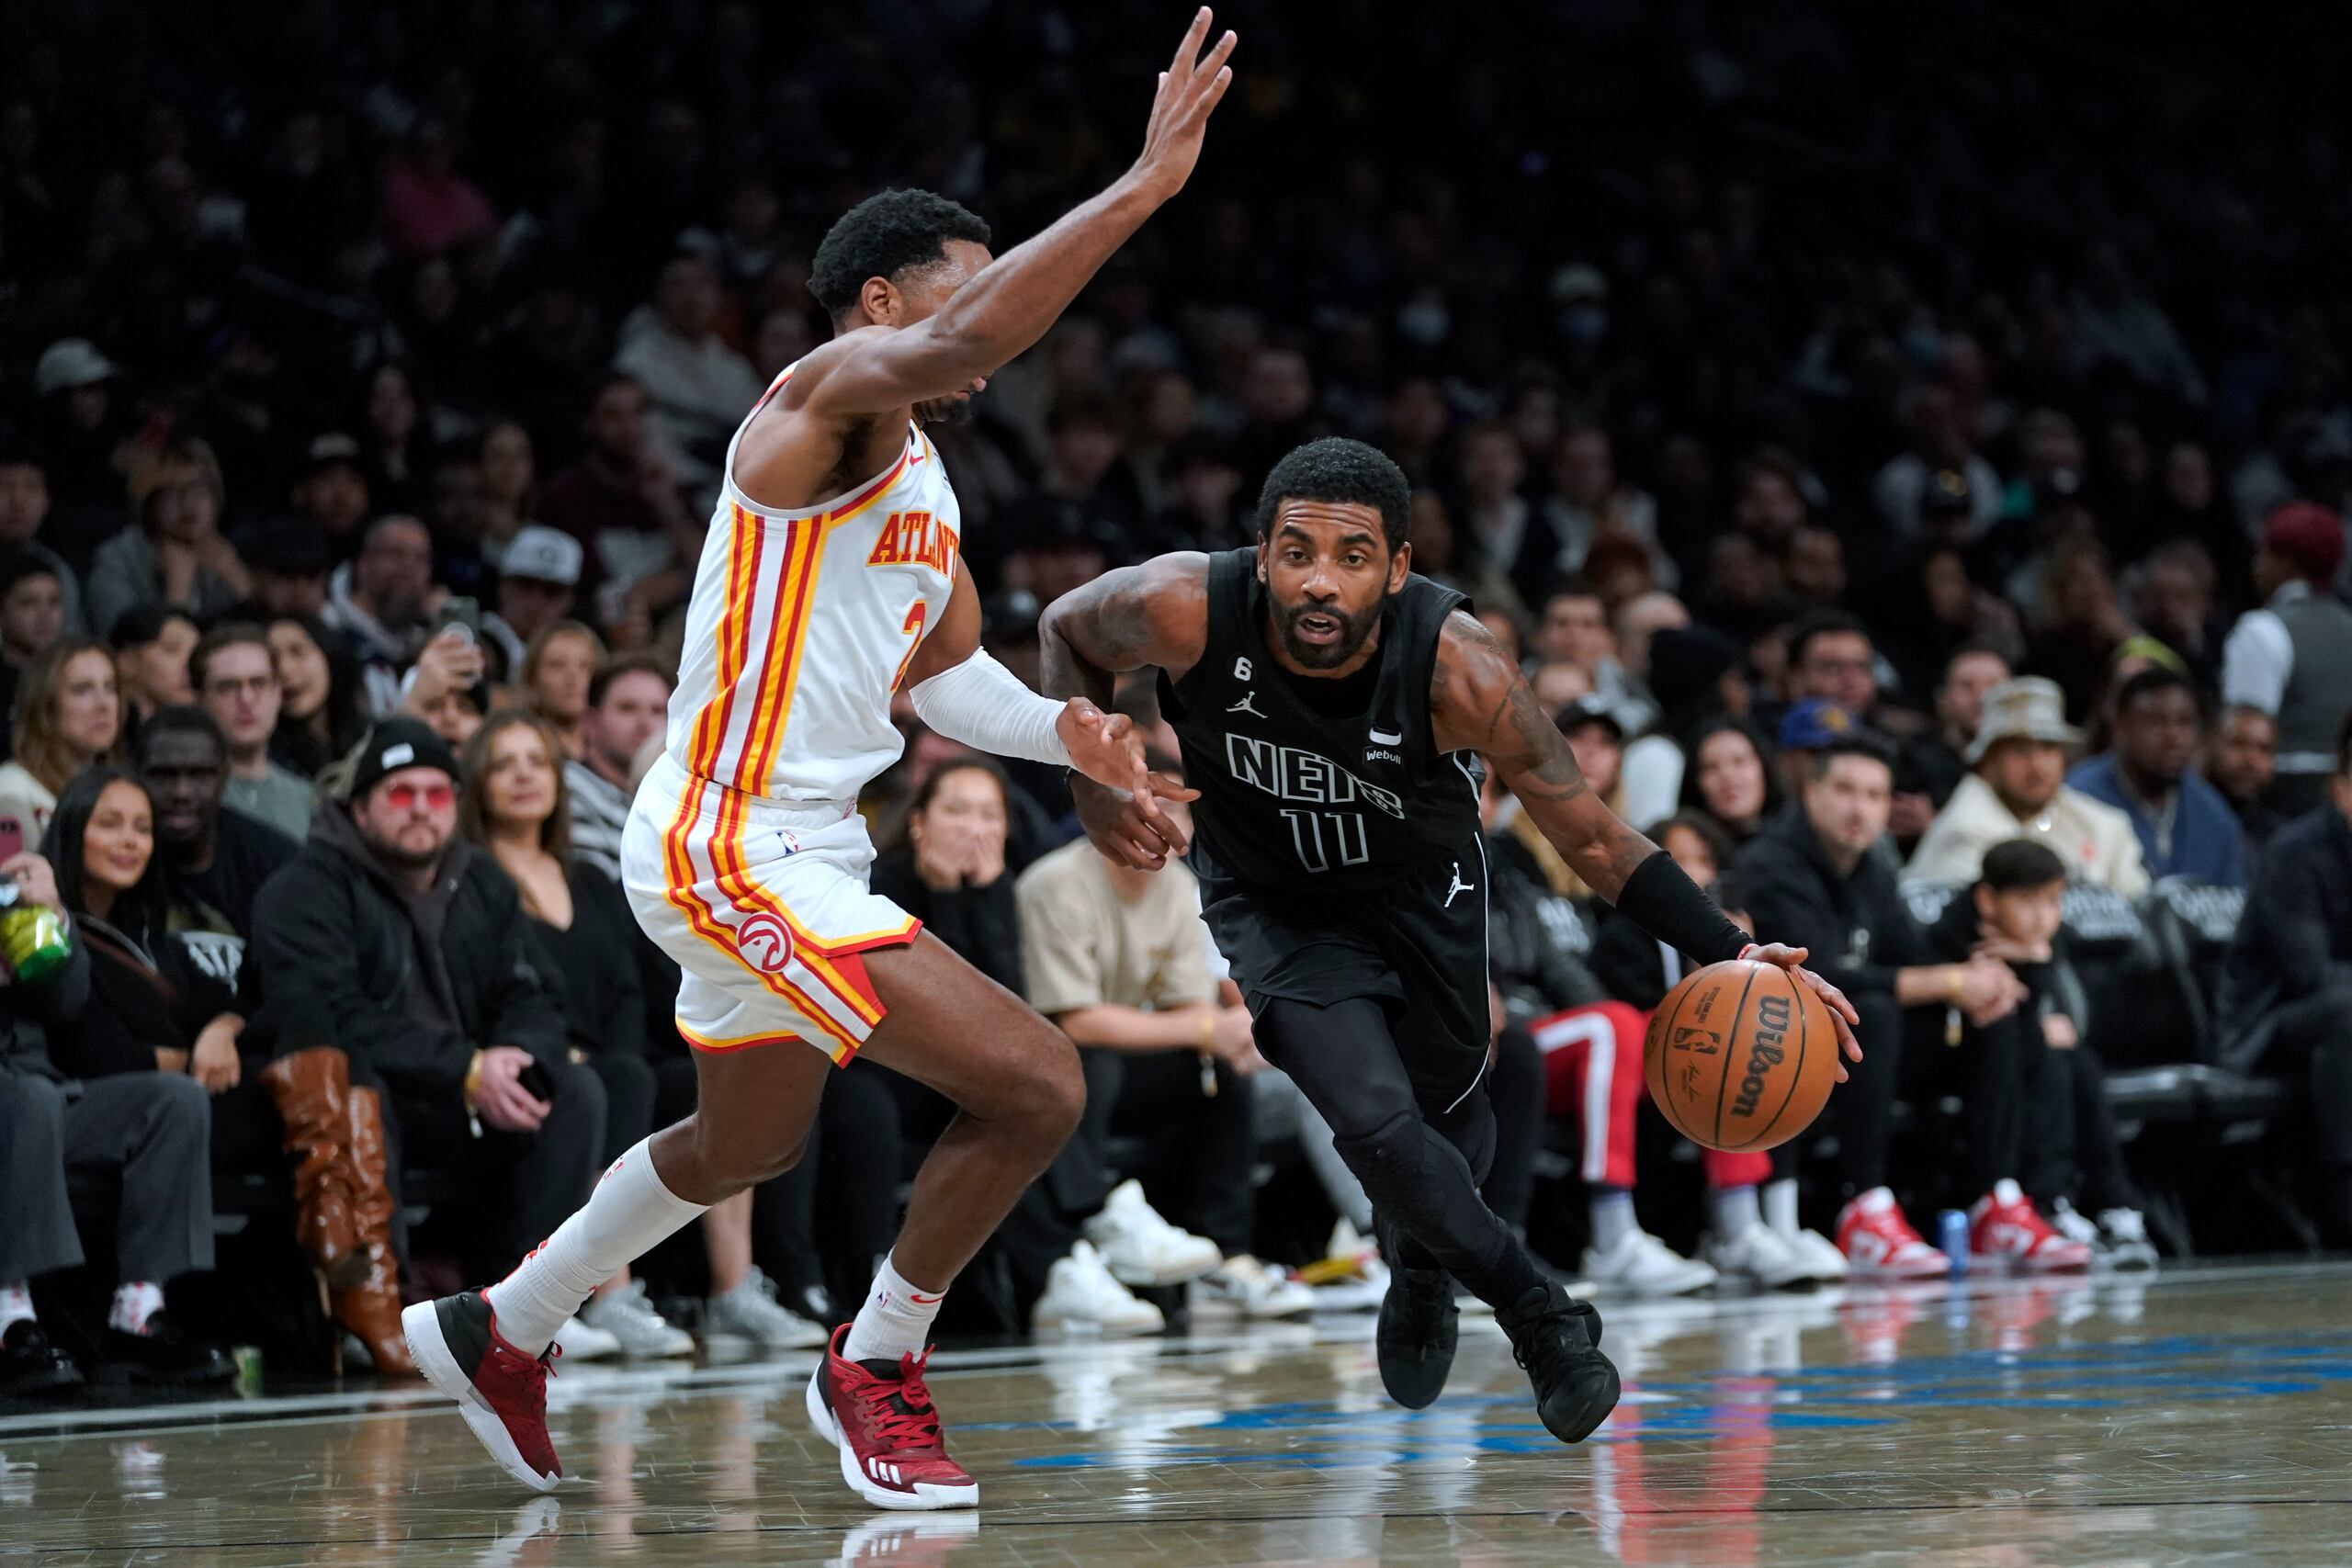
<point>394,941</point>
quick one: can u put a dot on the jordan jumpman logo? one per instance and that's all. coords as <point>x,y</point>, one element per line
<point>1459,885</point>
<point>1247,705</point>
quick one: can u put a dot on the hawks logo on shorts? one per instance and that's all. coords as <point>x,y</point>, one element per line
<point>764,943</point>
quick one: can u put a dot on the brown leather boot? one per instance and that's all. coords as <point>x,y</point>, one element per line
<point>371,1308</point>
<point>313,1092</point>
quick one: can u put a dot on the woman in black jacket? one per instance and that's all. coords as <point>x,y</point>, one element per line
<point>163,980</point>
<point>947,867</point>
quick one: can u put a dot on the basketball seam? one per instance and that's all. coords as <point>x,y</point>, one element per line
<point>1665,1103</point>
<point>1796,1070</point>
<point>1731,1050</point>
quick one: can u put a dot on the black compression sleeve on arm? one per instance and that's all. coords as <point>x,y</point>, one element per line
<point>1664,902</point>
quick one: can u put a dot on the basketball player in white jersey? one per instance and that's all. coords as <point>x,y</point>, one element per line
<point>830,578</point>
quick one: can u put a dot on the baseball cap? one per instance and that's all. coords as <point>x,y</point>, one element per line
<point>69,363</point>
<point>1590,708</point>
<point>1947,493</point>
<point>399,742</point>
<point>330,449</point>
<point>1814,723</point>
<point>550,554</point>
<point>2307,538</point>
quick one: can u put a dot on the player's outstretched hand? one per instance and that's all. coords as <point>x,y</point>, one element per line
<point>1189,89</point>
<point>1842,1011</point>
<point>1126,827</point>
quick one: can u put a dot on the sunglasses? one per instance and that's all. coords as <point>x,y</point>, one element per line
<point>408,797</point>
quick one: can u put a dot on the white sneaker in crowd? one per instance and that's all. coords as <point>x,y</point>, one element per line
<point>626,1314</point>
<point>1081,1293</point>
<point>1758,1256</point>
<point>2117,1239</point>
<point>1349,1276</point>
<point>1641,1265</point>
<point>1141,1248</point>
<point>1818,1253</point>
<point>1243,1284</point>
<point>750,1312</point>
<point>583,1341</point>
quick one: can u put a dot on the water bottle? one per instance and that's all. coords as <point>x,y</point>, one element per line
<point>32,936</point>
<point>1952,1235</point>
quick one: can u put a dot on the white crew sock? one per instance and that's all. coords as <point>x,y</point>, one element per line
<point>1734,1208</point>
<point>16,1305</point>
<point>1612,1217</point>
<point>1781,1205</point>
<point>135,1300</point>
<point>628,1213</point>
<point>895,1319</point>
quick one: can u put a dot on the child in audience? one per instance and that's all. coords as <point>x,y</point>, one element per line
<point>2068,1144</point>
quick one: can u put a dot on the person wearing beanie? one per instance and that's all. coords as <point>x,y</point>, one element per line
<point>401,1007</point>
<point>2293,658</point>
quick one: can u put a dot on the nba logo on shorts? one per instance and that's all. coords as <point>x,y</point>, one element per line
<point>764,943</point>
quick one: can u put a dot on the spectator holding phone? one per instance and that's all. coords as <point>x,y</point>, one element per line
<point>404,946</point>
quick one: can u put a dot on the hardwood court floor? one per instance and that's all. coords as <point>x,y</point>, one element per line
<point>2199,1418</point>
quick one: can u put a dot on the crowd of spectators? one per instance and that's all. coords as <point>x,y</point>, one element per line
<point>1910,451</point>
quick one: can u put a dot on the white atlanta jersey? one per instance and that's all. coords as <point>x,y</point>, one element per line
<point>802,625</point>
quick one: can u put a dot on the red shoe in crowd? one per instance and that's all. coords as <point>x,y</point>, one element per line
<point>1880,1244</point>
<point>882,1420</point>
<point>501,1392</point>
<point>2005,1228</point>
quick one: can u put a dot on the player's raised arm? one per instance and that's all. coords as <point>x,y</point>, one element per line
<point>1479,702</point>
<point>1008,305</point>
<point>1156,614</point>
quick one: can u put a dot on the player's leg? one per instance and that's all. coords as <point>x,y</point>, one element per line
<point>1345,1060</point>
<point>1016,1083</point>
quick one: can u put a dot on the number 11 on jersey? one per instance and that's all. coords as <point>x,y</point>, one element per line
<point>1311,831</point>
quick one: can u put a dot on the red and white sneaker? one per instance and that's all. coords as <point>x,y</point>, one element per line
<point>501,1392</point>
<point>882,1420</point>
<point>2005,1227</point>
<point>1880,1244</point>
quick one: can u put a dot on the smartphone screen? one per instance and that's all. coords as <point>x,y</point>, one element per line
<point>461,612</point>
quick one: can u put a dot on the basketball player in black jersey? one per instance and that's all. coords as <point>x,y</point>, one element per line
<point>1328,702</point>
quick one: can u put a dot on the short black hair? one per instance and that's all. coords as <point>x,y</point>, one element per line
<point>2149,681</point>
<point>884,235</point>
<point>1336,468</point>
<point>178,718</point>
<point>20,565</point>
<point>1824,623</point>
<point>1974,650</point>
<point>2019,864</point>
<point>142,623</point>
<point>1708,831</point>
<point>1854,743</point>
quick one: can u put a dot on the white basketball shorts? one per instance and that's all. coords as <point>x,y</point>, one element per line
<point>764,903</point>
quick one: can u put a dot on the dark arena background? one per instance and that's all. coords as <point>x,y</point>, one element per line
<point>1906,449</point>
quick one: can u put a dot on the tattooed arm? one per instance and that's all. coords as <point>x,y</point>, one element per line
<point>1154,615</point>
<point>1479,702</point>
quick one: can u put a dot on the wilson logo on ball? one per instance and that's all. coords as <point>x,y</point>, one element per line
<point>1766,1050</point>
<point>764,943</point>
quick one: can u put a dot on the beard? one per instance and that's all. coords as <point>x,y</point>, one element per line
<point>943,411</point>
<point>1354,630</point>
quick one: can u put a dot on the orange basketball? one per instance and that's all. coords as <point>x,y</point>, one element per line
<point>1741,1055</point>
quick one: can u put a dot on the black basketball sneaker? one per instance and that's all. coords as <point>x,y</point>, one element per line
<point>1419,1326</point>
<point>1557,1338</point>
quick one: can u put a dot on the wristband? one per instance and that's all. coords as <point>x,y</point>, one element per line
<point>473,1077</point>
<point>1666,903</point>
